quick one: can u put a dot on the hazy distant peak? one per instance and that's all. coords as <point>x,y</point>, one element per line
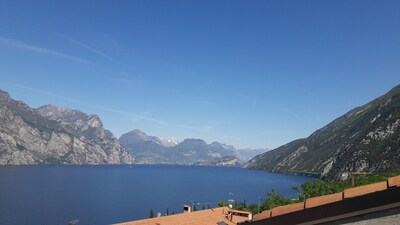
<point>194,141</point>
<point>169,142</point>
<point>222,145</point>
<point>137,136</point>
<point>190,151</point>
<point>138,133</point>
<point>247,154</point>
<point>217,143</point>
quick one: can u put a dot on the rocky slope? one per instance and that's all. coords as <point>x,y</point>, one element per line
<point>52,135</point>
<point>245,155</point>
<point>153,150</point>
<point>224,161</point>
<point>365,139</point>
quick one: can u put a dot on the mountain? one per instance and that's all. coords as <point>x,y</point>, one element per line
<point>137,136</point>
<point>245,155</point>
<point>154,150</point>
<point>146,149</point>
<point>53,135</point>
<point>366,139</point>
<point>196,150</point>
<point>169,142</point>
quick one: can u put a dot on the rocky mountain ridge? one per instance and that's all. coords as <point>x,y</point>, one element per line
<point>54,135</point>
<point>366,139</point>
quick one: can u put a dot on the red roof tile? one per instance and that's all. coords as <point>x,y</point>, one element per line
<point>263,215</point>
<point>287,209</point>
<point>322,200</point>
<point>203,217</point>
<point>394,181</point>
<point>365,189</point>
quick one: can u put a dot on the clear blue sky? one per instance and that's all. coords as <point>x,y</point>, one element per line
<point>254,74</point>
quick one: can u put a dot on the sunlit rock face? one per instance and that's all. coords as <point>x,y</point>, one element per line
<point>366,139</point>
<point>54,135</point>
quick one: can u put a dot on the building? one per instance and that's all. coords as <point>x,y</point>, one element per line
<point>377,203</point>
<point>215,216</point>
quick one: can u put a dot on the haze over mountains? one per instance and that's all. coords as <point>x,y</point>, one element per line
<point>365,139</point>
<point>151,149</point>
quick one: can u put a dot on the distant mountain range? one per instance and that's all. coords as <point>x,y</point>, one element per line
<point>366,139</point>
<point>53,135</point>
<point>154,150</point>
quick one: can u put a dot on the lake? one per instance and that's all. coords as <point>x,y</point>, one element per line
<point>99,195</point>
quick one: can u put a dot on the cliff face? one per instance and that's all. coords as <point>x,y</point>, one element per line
<point>52,135</point>
<point>365,139</point>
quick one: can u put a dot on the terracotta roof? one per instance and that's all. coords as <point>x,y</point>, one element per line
<point>263,215</point>
<point>238,211</point>
<point>322,200</point>
<point>287,209</point>
<point>327,199</point>
<point>203,217</point>
<point>394,181</point>
<point>365,189</point>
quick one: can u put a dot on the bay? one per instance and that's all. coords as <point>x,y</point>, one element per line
<point>99,195</point>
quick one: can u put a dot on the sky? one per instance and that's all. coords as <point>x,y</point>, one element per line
<point>253,74</point>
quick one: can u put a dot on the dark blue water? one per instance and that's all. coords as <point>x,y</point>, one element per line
<point>99,195</point>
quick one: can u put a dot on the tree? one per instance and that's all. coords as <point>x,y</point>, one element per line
<point>151,213</point>
<point>221,204</point>
<point>274,199</point>
<point>253,208</point>
<point>318,188</point>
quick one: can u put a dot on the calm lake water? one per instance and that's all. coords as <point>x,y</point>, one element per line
<point>99,195</point>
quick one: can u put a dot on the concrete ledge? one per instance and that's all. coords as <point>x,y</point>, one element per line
<point>394,181</point>
<point>287,209</point>
<point>263,215</point>
<point>365,189</point>
<point>322,200</point>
